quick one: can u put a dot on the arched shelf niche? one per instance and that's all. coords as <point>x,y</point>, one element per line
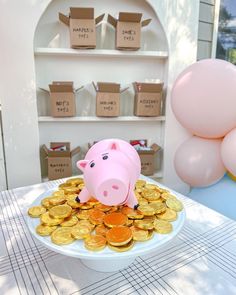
<point>55,61</point>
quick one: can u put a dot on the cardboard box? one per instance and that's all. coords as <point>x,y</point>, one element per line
<point>128,30</point>
<point>82,26</point>
<point>148,98</point>
<point>148,159</point>
<point>108,99</point>
<point>59,162</point>
<point>62,98</point>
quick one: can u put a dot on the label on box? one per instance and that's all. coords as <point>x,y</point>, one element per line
<point>62,104</point>
<point>147,164</point>
<point>82,33</point>
<point>59,167</point>
<point>148,104</point>
<point>128,35</point>
<point>108,104</point>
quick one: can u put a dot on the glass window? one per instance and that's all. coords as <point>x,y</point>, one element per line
<point>226,41</point>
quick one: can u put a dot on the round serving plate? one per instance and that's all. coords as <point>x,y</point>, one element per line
<point>105,260</point>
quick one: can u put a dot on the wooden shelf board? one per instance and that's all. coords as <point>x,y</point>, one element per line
<point>99,53</point>
<point>101,119</point>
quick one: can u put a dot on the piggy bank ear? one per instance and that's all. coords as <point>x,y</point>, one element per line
<point>82,164</point>
<point>114,146</point>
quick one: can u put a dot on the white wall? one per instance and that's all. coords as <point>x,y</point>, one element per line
<point>17,71</point>
<point>3,184</point>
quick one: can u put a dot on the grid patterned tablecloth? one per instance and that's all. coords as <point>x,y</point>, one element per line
<point>200,260</point>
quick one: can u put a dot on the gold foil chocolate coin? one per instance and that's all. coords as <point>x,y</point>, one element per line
<point>159,207</point>
<point>57,200</point>
<point>131,213</point>
<point>45,230</point>
<point>162,226</point>
<point>169,215</point>
<point>74,181</point>
<point>174,204</point>
<point>59,193</point>
<point>101,230</point>
<point>45,203</point>
<point>83,214</point>
<point>60,211</point>
<point>139,234</point>
<point>140,183</point>
<point>167,196</point>
<point>62,236</point>
<point>80,232</point>
<point>69,221</point>
<point>36,211</point>
<point>48,220</point>
<point>123,248</point>
<point>146,210</point>
<point>144,224</point>
<point>72,202</point>
<point>85,222</point>
<point>95,243</point>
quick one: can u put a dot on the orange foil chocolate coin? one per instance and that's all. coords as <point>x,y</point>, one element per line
<point>115,219</point>
<point>119,235</point>
<point>96,216</point>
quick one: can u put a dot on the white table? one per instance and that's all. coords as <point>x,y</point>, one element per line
<point>201,260</point>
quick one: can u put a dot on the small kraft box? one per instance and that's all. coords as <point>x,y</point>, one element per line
<point>82,25</point>
<point>59,159</point>
<point>128,29</point>
<point>108,99</point>
<point>147,156</point>
<point>147,99</point>
<point>62,98</point>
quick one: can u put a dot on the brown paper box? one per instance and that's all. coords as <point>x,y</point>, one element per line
<point>108,99</point>
<point>147,99</point>
<point>82,26</point>
<point>128,30</point>
<point>59,162</point>
<point>148,160</point>
<point>62,99</point>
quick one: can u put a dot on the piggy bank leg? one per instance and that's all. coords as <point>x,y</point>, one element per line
<point>83,196</point>
<point>132,201</point>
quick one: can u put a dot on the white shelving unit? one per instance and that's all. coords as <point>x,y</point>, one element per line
<point>44,55</point>
<point>55,61</point>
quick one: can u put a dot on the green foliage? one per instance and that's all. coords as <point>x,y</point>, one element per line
<point>224,19</point>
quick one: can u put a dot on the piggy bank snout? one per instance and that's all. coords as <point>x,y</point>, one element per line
<point>112,192</point>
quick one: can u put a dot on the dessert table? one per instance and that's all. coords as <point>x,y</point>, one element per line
<point>200,260</point>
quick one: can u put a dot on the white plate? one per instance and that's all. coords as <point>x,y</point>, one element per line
<point>77,249</point>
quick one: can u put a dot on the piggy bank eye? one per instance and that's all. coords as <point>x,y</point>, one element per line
<point>105,157</point>
<point>92,165</point>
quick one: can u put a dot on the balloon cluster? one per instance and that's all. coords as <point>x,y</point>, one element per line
<point>204,102</point>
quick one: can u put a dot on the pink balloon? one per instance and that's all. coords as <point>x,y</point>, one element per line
<point>204,98</point>
<point>198,161</point>
<point>228,151</point>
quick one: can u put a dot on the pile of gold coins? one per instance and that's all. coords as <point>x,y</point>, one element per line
<point>117,227</point>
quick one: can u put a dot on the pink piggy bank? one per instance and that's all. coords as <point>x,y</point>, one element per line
<point>111,168</point>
